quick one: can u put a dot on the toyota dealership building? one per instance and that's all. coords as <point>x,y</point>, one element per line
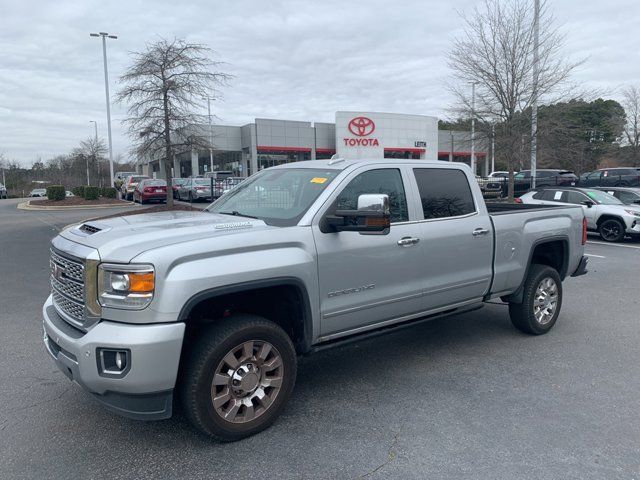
<point>354,135</point>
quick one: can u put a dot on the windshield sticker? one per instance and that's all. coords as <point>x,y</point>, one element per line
<point>318,180</point>
<point>592,195</point>
<point>557,195</point>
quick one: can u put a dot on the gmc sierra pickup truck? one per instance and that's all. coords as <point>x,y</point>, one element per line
<point>213,308</point>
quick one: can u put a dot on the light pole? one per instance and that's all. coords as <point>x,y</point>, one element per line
<point>534,102</point>
<point>473,127</point>
<point>493,147</point>
<point>210,133</point>
<point>95,158</point>
<point>104,36</point>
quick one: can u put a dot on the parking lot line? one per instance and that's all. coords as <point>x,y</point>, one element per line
<point>592,255</point>
<point>613,245</point>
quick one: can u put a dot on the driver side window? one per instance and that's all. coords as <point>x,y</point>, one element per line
<point>385,180</point>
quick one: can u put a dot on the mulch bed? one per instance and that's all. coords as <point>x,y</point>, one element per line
<point>154,209</point>
<point>76,201</point>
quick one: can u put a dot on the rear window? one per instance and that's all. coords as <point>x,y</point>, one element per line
<point>154,183</point>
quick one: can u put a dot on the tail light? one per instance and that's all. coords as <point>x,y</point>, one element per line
<point>584,230</point>
<point>517,200</point>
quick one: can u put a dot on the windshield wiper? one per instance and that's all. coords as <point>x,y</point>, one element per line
<point>236,213</point>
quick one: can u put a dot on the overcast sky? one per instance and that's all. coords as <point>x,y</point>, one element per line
<point>295,60</point>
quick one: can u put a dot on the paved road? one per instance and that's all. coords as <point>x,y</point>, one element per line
<point>461,398</point>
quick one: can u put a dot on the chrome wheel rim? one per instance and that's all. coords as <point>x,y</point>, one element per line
<point>247,381</point>
<point>610,231</point>
<point>545,302</point>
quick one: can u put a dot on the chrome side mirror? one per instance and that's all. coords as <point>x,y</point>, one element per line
<point>372,216</point>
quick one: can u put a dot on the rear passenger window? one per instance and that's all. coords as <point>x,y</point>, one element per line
<point>554,195</point>
<point>444,192</point>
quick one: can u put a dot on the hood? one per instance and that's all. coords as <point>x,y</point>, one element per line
<point>120,239</point>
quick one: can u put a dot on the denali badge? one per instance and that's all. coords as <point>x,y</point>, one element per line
<point>347,291</point>
<point>231,226</point>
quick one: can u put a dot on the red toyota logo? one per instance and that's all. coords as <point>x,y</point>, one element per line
<point>362,126</point>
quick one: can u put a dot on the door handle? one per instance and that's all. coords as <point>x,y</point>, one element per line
<point>479,231</point>
<point>408,241</point>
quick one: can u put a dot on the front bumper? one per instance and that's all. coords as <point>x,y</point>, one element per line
<point>206,194</point>
<point>634,228</point>
<point>146,390</point>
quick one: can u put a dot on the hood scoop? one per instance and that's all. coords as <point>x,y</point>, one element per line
<point>89,229</point>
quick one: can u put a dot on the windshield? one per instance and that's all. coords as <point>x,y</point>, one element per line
<point>201,181</point>
<point>153,183</point>
<point>603,198</point>
<point>279,197</point>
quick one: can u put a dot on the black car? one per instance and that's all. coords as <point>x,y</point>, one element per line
<point>545,177</point>
<point>611,177</point>
<point>629,196</point>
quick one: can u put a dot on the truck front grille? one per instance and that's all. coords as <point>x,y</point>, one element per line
<point>67,287</point>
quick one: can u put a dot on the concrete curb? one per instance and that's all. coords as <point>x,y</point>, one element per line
<point>27,206</point>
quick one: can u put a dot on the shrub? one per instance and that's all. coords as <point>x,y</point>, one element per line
<point>78,191</point>
<point>109,192</point>
<point>91,193</point>
<point>56,192</point>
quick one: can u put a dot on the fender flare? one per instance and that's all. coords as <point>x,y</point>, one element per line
<point>307,317</point>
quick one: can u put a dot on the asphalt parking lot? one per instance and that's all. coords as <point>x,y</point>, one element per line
<point>456,398</point>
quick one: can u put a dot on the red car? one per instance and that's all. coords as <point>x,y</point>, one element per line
<point>150,190</point>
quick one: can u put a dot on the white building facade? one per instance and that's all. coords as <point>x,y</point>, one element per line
<point>355,135</point>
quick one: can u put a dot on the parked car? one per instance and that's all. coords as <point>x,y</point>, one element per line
<point>611,177</point>
<point>219,174</point>
<point>129,185</point>
<point>38,192</point>
<point>544,178</point>
<point>213,308</point>
<point>490,188</point>
<point>500,174</point>
<point>175,184</point>
<point>150,190</point>
<point>605,214</point>
<point>195,189</point>
<point>119,177</point>
<point>627,195</point>
<point>3,191</point>
<point>68,194</point>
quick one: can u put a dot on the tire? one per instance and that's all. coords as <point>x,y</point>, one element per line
<point>541,280</point>
<point>611,230</point>
<point>190,198</point>
<point>208,358</point>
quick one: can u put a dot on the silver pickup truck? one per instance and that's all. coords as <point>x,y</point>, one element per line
<point>213,308</point>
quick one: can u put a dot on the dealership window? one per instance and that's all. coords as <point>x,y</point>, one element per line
<point>387,181</point>
<point>444,192</point>
<point>268,159</point>
<point>406,154</point>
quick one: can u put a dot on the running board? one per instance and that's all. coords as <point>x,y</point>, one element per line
<point>357,337</point>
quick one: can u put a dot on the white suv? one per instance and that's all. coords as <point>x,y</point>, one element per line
<point>605,214</point>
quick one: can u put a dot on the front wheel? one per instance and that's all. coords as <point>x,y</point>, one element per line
<point>238,377</point>
<point>541,301</point>
<point>611,230</point>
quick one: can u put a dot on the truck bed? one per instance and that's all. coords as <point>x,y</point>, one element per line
<point>504,208</point>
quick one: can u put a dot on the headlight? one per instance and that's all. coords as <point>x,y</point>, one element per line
<point>633,212</point>
<point>125,286</point>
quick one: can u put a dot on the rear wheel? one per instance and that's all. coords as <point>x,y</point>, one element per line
<point>541,301</point>
<point>190,197</point>
<point>611,230</point>
<point>238,377</point>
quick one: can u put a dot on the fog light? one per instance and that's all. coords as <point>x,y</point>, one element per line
<point>112,362</point>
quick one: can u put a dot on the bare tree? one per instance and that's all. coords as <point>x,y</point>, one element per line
<point>631,104</point>
<point>496,53</point>
<point>163,88</point>
<point>95,150</point>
